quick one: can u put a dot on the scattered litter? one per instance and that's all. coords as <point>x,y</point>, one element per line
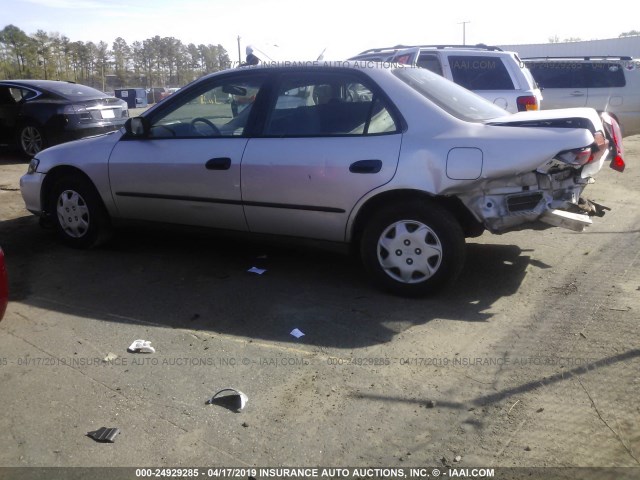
<point>431,404</point>
<point>583,335</point>
<point>245,424</point>
<point>296,333</point>
<point>257,270</point>
<point>625,309</point>
<point>236,401</point>
<point>517,401</point>
<point>104,434</point>
<point>457,459</point>
<point>540,410</point>
<point>527,448</point>
<point>110,357</point>
<point>141,346</point>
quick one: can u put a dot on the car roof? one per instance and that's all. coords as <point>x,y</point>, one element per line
<point>36,83</point>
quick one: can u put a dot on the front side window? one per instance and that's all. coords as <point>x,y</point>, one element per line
<point>480,72</point>
<point>219,110</point>
<point>327,104</point>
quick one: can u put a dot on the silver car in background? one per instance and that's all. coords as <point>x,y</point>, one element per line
<point>397,162</point>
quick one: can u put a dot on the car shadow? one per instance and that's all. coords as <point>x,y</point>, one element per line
<point>201,282</point>
<point>9,155</point>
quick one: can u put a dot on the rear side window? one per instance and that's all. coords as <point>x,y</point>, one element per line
<point>578,74</point>
<point>430,62</point>
<point>329,104</point>
<point>605,75</point>
<point>480,73</point>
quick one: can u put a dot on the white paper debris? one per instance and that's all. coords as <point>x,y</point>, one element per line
<point>110,357</point>
<point>257,270</point>
<point>297,333</point>
<point>141,346</point>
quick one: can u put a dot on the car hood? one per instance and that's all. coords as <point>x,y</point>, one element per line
<point>88,150</point>
<point>560,118</point>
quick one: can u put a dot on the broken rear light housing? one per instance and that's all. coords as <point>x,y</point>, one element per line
<point>529,102</point>
<point>615,134</point>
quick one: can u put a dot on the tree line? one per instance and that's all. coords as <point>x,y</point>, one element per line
<point>157,61</point>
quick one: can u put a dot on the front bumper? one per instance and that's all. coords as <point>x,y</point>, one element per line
<point>30,187</point>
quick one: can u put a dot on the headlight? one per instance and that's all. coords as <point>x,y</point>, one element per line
<point>33,165</point>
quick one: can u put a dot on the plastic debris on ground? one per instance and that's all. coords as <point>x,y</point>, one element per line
<point>141,346</point>
<point>257,270</point>
<point>297,333</point>
<point>233,400</point>
<point>104,434</point>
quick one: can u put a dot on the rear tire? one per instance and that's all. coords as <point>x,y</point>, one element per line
<point>413,249</point>
<point>31,140</point>
<point>77,212</point>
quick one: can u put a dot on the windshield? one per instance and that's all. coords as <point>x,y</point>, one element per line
<point>452,98</point>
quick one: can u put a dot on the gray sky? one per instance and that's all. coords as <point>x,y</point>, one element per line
<point>302,29</point>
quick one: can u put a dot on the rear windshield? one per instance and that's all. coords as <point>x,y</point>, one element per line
<point>73,91</point>
<point>452,98</point>
<point>480,73</point>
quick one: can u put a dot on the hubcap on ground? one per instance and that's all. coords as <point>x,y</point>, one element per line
<point>409,251</point>
<point>73,213</point>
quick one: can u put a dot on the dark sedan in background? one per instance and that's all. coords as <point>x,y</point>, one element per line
<point>35,114</point>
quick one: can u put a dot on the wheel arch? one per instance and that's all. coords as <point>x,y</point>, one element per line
<point>470,226</point>
<point>54,175</point>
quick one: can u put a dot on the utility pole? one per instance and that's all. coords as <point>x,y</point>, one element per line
<point>464,31</point>
<point>239,56</point>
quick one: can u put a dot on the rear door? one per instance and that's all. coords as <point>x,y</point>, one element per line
<point>10,100</point>
<point>328,139</point>
<point>606,81</point>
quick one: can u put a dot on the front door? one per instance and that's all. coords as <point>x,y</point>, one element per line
<point>187,169</point>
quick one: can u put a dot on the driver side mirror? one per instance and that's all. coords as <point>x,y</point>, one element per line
<point>137,127</point>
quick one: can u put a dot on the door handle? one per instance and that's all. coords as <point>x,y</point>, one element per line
<point>220,163</point>
<point>577,93</point>
<point>366,166</point>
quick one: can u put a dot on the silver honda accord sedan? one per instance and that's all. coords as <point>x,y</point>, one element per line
<point>397,162</point>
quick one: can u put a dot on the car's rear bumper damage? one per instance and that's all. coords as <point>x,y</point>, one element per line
<point>552,194</point>
<point>504,205</point>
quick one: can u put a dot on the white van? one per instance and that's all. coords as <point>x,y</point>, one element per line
<point>488,71</point>
<point>608,84</point>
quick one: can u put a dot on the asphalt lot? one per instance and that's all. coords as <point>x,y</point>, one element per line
<point>532,359</point>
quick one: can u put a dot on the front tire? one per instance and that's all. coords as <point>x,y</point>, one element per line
<point>78,213</point>
<point>31,140</point>
<point>413,249</point>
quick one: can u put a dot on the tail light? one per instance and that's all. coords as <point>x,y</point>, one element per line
<point>615,134</point>
<point>530,102</point>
